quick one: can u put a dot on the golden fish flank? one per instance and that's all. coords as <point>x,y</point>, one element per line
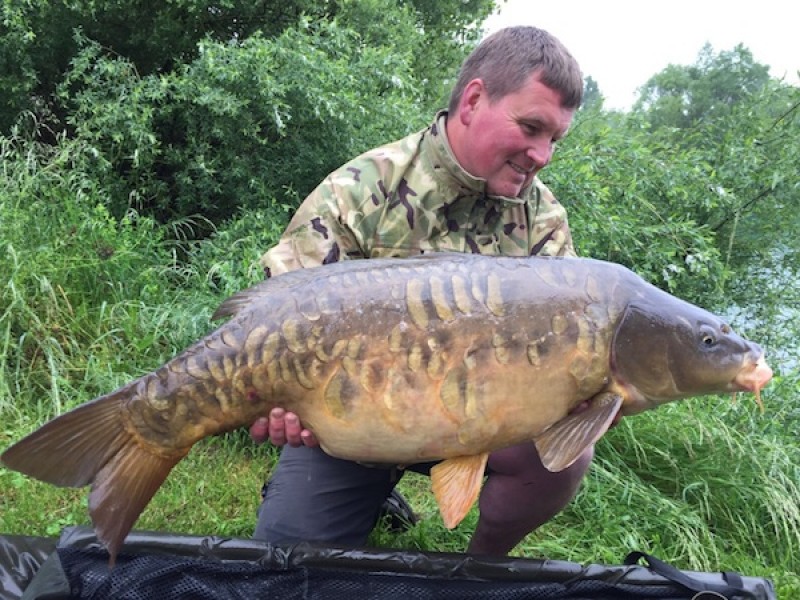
<point>435,357</point>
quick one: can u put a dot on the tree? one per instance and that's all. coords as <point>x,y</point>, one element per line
<point>448,31</point>
<point>38,43</point>
<point>697,184</point>
<point>154,37</point>
<point>631,199</point>
<point>258,120</point>
<point>592,98</point>
<point>755,166</point>
<point>742,125</point>
<point>683,95</point>
<point>201,106</point>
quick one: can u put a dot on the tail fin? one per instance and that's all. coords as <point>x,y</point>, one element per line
<point>90,445</point>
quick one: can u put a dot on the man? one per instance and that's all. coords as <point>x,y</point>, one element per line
<point>467,183</point>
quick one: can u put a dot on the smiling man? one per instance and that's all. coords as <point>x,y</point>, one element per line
<point>466,183</point>
<point>507,139</point>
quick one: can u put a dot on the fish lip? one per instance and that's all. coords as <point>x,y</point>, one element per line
<point>752,377</point>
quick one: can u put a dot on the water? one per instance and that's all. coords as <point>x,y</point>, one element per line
<point>771,314</point>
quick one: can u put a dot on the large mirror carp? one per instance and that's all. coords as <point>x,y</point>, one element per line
<point>403,361</point>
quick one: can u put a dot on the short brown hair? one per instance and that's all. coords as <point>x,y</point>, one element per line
<point>506,59</point>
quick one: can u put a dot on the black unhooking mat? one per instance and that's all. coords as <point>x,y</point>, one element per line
<point>163,566</point>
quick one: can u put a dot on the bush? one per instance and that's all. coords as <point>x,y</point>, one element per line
<point>243,124</point>
<point>636,202</point>
<point>75,277</point>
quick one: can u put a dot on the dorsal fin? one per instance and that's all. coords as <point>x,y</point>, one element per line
<point>240,300</point>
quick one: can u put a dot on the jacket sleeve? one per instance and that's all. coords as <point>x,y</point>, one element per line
<point>550,233</point>
<point>318,234</point>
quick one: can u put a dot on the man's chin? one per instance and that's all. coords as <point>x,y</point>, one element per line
<point>507,190</point>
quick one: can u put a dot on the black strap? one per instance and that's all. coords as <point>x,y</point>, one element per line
<point>733,591</point>
<point>733,578</point>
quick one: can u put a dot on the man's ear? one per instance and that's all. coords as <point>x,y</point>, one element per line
<point>474,94</point>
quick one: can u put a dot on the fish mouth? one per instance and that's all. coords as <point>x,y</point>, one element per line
<point>752,378</point>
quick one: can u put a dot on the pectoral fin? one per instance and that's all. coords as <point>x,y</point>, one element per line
<point>456,483</point>
<point>562,444</point>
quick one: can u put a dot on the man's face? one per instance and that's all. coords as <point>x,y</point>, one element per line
<point>508,141</point>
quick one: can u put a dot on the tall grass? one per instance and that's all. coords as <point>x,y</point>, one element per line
<point>85,299</point>
<point>89,301</point>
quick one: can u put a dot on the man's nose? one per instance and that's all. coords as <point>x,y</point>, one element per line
<point>540,154</point>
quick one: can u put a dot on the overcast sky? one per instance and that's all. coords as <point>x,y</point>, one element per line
<point>622,43</point>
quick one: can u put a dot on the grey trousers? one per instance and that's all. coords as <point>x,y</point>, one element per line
<point>312,496</point>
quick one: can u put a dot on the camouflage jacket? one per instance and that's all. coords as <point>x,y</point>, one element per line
<point>410,197</point>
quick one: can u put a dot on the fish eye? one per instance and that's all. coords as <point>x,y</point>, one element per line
<point>708,335</point>
<point>708,340</point>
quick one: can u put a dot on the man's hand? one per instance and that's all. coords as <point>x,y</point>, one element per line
<point>282,428</point>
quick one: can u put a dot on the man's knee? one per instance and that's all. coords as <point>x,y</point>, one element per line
<point>522,461</point>
<point>519,487</point>
<point>314,497</point>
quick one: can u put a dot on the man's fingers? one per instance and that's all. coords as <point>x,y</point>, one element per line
<point>282,428</point>
<point>292,430</point>
<point>277,426</point>
<point>259,431</point>
<point>308,439</point>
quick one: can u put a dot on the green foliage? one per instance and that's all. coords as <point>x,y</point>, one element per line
<point>55,218</point>
<point>636,202</point>
<point>78,285</point>
<point>742,126</point>
<point>202,108</point>
<point>155,38</point>
<point>243,123</point>
<point>765,304</point>
<point>755,166</point>
<point>447,31</point>
<point>228,259</point>
<point>17,75</point>
<point>37,45</point>
<point>679,452</point>
<point>691,207</point>
<point>592,97</point>
<point>683,95</point>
